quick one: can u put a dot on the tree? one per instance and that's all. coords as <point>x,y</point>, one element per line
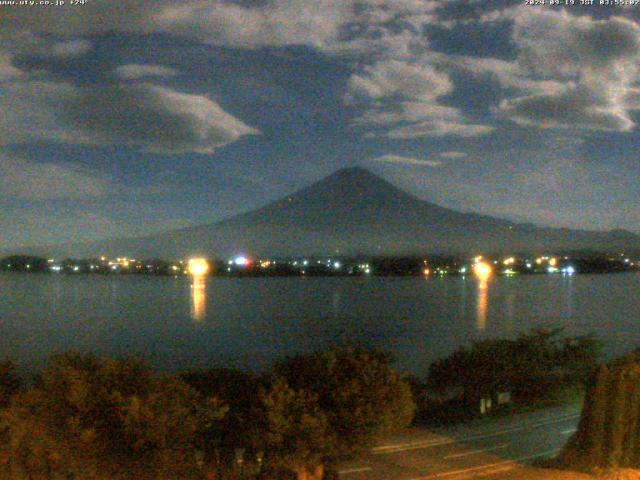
<point>296,430</point>
<point>243,424</point>
<point>95,418</point>
<point>530,366</point>
<point>10,382</point>
<point>358,391</point>
<point>608,434</point>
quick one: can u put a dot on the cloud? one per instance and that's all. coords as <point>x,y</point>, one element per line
<point>411,120</point>
<point>407,101</point>
<point>330,25</point>
<point>70,49</point>
<point>594,65</point>
<point>30,111</point>
<point>579,41</point>
<point>510,74</point>
<point>156,118</point>
<point>584,81</point>
<point>142,115</point>
<point>435,128</point>
<point>7,70</point>
<point>576,107</point>
<point>135,71</point>
<point>31,43</point>
<point>389,158</point>
<point>244,25</point>
<point>271,23</point>
<point>453,154</point>
<point>25,179</point>
<point>392,78</point>
<point>408,112</point>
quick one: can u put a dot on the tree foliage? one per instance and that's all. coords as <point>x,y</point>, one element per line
<point>93,418</point>
<point>608,434</point>
<point>358,391</point>
<point>10,382</point>
<point>297,435</point>
<point>529,366</point>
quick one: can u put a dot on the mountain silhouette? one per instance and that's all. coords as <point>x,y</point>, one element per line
<point>351,212</point>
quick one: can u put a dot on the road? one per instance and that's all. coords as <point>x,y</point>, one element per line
<point>489,448</point>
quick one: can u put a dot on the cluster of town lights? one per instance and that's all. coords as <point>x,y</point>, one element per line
<point>480,266</point>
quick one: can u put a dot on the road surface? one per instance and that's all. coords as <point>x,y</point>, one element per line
<point>489,448</point>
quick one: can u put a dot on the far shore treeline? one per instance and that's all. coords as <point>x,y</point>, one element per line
<point>567,263</point>
<point>87,417</point>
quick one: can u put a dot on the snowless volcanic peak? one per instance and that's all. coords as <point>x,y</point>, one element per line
<point>353,211</point>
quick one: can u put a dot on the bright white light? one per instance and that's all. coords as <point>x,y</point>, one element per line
<point>552,269</point>
<point>305,263</point>
<point>336,265</point>
<point>367,271</point>
<point>569,270</point>
<point>241,261</point>
<point>463,270</point>
<point>76,268</point>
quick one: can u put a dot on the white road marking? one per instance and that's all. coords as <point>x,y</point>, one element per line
<point>354,470</point>
<point>401,447</point>
<point>474,452</point>
<point>486,466</point>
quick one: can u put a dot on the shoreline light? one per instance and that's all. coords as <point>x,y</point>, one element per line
<point>482,270</point>
<point>198,266</point>
<point>241,261</point>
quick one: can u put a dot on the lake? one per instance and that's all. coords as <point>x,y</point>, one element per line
<point>178,323</point>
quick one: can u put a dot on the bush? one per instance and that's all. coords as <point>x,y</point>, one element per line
<point>10,383</point>
<point>93,418</point>
<point>357,390</point>
<point>531,366</point>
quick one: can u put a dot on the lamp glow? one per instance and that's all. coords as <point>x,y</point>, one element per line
<point>241,261</point>
<point>482,270</point>
<point>198,266</point>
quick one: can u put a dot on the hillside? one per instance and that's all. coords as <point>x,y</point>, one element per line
<point>353,211</point>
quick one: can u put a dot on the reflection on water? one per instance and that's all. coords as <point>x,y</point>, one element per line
<point>510,312</point>
<point>199,297</point>
<point>258,320</point>
<point>483,272</point>
<point>481,309</point>
<point>569,301</point>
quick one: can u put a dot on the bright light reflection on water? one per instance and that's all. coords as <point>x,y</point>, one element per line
<point>483,303</point>
<point>199,298</point>
<point>190,322</point>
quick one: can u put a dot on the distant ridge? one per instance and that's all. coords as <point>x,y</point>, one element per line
<point>350,212</point>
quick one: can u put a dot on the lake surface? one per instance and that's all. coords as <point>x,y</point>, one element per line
<point>178,323</point>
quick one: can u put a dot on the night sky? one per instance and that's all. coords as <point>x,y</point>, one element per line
<point>129,117</point>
